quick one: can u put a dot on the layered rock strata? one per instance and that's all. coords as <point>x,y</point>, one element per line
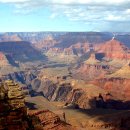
<point>47,120</point>
<point>14,114</point>
<point>13,111</point>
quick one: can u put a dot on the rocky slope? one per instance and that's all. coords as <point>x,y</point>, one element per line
<point>66,39</point>
<point>14,114</point>
<point>117,83</point>
<point>118,86</point>
<point>3,60</point>
<point>78,49</point>
<point>20,51</point>
<point>45,43</point>
<point>47,120</point>
<point>92,68</point>
<point>73,44</point>
<point>113,49</point>
<point>123,72</point>
<point>69,91</point>
<point>23,78</point>
<point>87,97</point>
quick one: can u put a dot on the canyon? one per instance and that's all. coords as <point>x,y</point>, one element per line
<point>84,74</point>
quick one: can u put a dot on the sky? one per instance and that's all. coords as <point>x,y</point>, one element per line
<point>65,15</point>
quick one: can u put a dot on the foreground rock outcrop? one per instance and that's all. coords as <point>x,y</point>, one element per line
<point>47,120</point>
<point>14,114</point>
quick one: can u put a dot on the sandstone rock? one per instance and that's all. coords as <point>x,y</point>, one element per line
<point>92,60</point>
<point>119,87</point>
<point>12,107</point>
<point>92,68</point>
<point>3,60</point>
<point>113,49</point>
<point>48,121</point>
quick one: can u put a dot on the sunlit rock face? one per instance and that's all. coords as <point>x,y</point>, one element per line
<point>117,82</point>
<point>13,112</point>
<point>113,49</point>
<point>3,60</point>
<point>92,68</point>
<point>118,86</point>
<point>47,120</point>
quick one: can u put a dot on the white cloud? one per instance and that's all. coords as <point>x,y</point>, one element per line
<point>127,11</point>
<point>13,1</point>
<point>53,15</point>
<point>101,2</point>
<point>113,18</point>
<point>87,11</point>
<point>71,2</point>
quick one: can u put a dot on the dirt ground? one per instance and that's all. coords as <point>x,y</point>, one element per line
<point>75,117</point>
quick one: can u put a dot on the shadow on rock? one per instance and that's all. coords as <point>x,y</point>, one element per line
<point>31,106</point>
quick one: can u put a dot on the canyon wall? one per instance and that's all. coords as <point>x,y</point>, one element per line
<point>118,86</point>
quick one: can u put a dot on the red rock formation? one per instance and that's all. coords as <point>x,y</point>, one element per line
<point>76,49</point>
<point>80,48</point>
<point>45,43</point>
<point>12,108</point>
<point>92,68</point>
<point>14,114</point>
<point>92,60</point>
<point>113,49</point>
<point>47,120</point>
<point>119,87</point>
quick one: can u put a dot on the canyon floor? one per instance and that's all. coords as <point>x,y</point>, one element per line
<point>76,117</point>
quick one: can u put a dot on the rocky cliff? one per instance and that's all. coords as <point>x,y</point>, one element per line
<point>117,82</point>
<point>71,91</point>
<point>3,60</point>
<point>118,86</point>
<point>109,50</point>
<point>78,95</point>
<point>92,68</point>
<point>45,43</point>
<point>113,49</point>
<point>76,49</point>
<point>20,51</point>
<point>21,77</point>
<point>14,114</point>
<point>76,44</point>
<point>65,39</point>
<point>47,120</point>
